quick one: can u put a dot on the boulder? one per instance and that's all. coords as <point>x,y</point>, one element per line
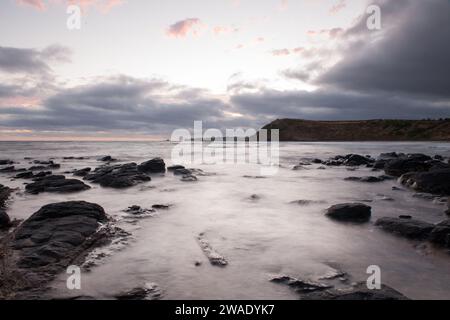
<point>352,212</point>
<point>357,160</point>
<point>441,234</point>
<point>188,178</point>
<point>5,192</point>
<point>401,166</point>
<point>149,292</point>
<point>57,184</point>
<point>117,176</point>
<point>435,182</point>
<point>5,221</point>
<point>182,172</point>
<point>175,167</point>
<point>4,162</point>
<point>55,235</point>
<point>301,286</point>
<point>155,165</point>
<point>406,227</point>
<point>81,172</point>
<point>107,159</point>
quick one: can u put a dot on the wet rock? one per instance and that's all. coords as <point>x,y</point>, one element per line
<point>254,197</point>
<point>299,167</point>
<point>175,167</point>
<point>107,159</point>
<point>31,175</point>
<point>448,206</point>
<point>74,158</point>
<point>357,160</point>
<point>438,157</point>
<point>188,178</point>
<point>441,234</point>
<point>301,286</point>
<point>352,212</point>
<point>155,165</point>
<point>4,162</point>
<point>303,202</point>
<point>57,184</point>
<point>5,221</point>
<point>56,234</point>
<point>182,172</point>
<point>161,206</point>
<point>117,176</point>
<point>137,210</point>
<point>149,292</point>
<point>408,228</point>
<point>357,292</point>
<point>213,256</point>
<point>435,182</point>
<point>368,179</point>
<point>254,177</point>
<point>5,192</point>
<point>409,163</point>
<point>81,172</point>
<point>8,169</point>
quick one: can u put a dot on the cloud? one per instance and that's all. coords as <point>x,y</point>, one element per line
<point>411,54</point>
<point>281,52</point>
<point>182,28</point>
<point>337,7</point>
<point>32,61</point>
<point>103,6</point>
<point>37,4</point>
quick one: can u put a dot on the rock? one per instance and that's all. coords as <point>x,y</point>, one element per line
<point>357,292</point>
<point>8,169</point>
<point>389,156</point>
<point>24,175</point>
<point>107,159</point>
<point>118,176</point>
<point>137,210</point>
<point>354,212</point>
<point>149,292</point>
<point>5,192</point>
<point>81,172</point>
<point>155,165</point>
<point>56,234</point>
<point>357,160</point>
<point>409,163</point>
<point>56,183</point>
<point>369,179</point>
<point>182,172</point>
<point>448,206</point>
<point>175,167</point>
<point>5,221</point>
<point>213,256</point>
<point>188,178</point>
<point>441,234</point>
<point>408,228</point>
<point>301,286</point>
<point>435,182</point>
<point>438,157</point>
<point>307,202</point>
<point>5,162</point>
<point>161,206</point>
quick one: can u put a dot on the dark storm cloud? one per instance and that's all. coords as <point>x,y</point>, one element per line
<point>119,103</point>
<point>32,61</point>
<point>412,56</point>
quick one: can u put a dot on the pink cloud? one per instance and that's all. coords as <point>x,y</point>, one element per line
<point>37,4</point>
<point>281,52</point>
<point>182,28</point>
<point>338,7</point>
<point>332,33</point>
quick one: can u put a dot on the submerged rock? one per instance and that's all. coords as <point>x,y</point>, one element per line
<point>369,179</point>
<point>155,165</point>
<point>56,183</point>
<point>175,167</point>
<point>406,227</point>
<point>188,178</point>
<point>357,292</point>
<point>303,202</point>
<point>435,182</point>
<point>138,210</point>
<point>352,212</point>
<point>161,206</point>
<point>149,292</point>
<point>301,286</point>
<point>182,172</point>
<point>213,256</point>
<point>81,172</point>
<point>107,159</point>
<point>5,162</point>
<point>118,176</point>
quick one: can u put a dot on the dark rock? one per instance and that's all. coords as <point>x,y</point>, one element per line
<point>24,175</point>
<point>213,256</point>
<point>5,162</point>
<point>357,160</point>
<point>149,292</point>
<point>118,176</point>
<point>369,179</point>
<point>438,157</point>
<point>301,286</point>
<point>357,292</point>
<point>5,192</point>
<point>137,210</point>
<point>155,165</point>
<point>389,156</point>
<point>401,166</point>
<point>81,172</point>
<point>8,169</point>
<point>161,206</point>
<point>58,184</point>
<point>176,167</point>
<point>441,234</point>
<point>188,178</point>
<point>107,159</point>
<point>54,235</point>
<point>435,182</point>
<point>353,212</point>
<point>409,228</point>
<point>307,202</point>
<point>182,172</point>
<point>5,222</point>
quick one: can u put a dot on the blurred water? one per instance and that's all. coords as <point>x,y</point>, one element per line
<point>259,238</point>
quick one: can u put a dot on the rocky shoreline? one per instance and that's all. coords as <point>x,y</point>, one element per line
<point>33,252</point>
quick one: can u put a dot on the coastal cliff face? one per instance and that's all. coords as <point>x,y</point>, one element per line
<point>364,130</point>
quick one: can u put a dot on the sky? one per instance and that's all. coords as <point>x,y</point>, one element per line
<point>138,69</point>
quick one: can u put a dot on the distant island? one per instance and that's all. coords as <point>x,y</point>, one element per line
<point>362,130</point>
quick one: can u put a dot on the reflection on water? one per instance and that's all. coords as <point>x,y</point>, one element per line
<point>260,236</point>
